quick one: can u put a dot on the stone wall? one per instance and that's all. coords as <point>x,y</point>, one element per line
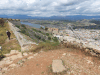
<point>24,43</point>
<point>88,47</point>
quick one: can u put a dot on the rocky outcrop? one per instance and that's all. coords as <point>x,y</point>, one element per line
<point>13,56</point>
<point>88,47</point>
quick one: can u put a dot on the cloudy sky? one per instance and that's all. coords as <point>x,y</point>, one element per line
<point>46,8</point>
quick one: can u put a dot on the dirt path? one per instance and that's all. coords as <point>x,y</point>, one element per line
<point>76,63</point>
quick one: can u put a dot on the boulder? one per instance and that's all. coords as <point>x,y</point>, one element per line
<point>13,51</point>
<point>86,50</point>
<point>13,57</point>
<point>25,54</point>
<point>5,69</point>
<point>8,62</point>
<point>7,54</point>
<point>35,54</point>
<point>30,57</point>
<point>57,66</point>
<point>19,55</point>
<point>13,65</point>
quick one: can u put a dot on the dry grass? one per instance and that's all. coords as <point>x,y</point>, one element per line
<point>45,46</point>
<point>6,44</point>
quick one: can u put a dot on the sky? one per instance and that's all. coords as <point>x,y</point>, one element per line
<point>47,8</point>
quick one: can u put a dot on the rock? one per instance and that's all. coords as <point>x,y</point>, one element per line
<point>23,60</point>
<point>7,54</point>
<point>13,51</point>
<point>89,62</point>
<point>12,65</point>
<point>0,68</point>
<point>7,58</point>
<point>30,53</point>
<point>30,57</point>
<point>25,54</point>
<point>0,73</point>
<point>19,62</point>
<point>57,66</point>
<point>64,54</point>
<point>35,54</point>
<point>13,57</point>
<point>92,53</point>
<point>86,50</point>
<point>0,48</point>
<point>19,55</point>
<point>5,69</point>
<point>8,62</point>
<point>2,62</point>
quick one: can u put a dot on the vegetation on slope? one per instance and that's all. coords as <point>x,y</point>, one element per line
<point>7,45</point>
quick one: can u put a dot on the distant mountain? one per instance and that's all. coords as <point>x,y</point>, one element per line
<point>76,17</point>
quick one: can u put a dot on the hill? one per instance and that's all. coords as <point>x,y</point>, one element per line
<point>75,17</point>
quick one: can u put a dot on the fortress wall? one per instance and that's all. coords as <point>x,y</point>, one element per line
<point>23,42</point>
<point>88,47</point>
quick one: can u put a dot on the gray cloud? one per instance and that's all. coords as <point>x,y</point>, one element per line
<point>50,7</point>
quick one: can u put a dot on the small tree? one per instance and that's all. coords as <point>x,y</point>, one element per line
<point>2,22</point>
<point>46,28</point>
<point>41,28</point>
<point>55,39</point>
<point>49,38</point>
<point>47,34</point>
<point>44,40</point>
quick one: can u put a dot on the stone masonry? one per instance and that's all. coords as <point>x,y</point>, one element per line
<point>24,43</point>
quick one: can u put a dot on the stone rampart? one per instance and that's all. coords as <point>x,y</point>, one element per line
<point>24,43</point>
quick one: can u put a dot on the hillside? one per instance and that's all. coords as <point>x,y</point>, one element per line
<point>6,44</point>
<point>38,60</point>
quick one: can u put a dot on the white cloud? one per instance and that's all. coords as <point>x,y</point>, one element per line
<point>50,7</point>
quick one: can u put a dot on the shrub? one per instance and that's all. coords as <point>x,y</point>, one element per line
<point>46,28</point>
<point>23,31</point>
<point>41,28</point>
<point>37,36</point>
<point>2,22</point>
<point>47,34</point>
<point>1,55</point>
<point>55,39</point>
<point>49,38</point>
<point>44,40</point>
<point>17,26</point>
<point>23,26</point>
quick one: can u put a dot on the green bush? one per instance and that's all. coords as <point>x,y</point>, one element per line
<point>37,36</point>
<point>49,38</point>
<point>23,31</point>
<point>2,22</point>
<point>44,40</point>
<point>23,26</point>
<point>1,55</point>
<point>46,28</point>
<point>41,28</point>
<point>17,26</point>
<point>47,34</point>
<point>55,39</point>
<point>1,34</point>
